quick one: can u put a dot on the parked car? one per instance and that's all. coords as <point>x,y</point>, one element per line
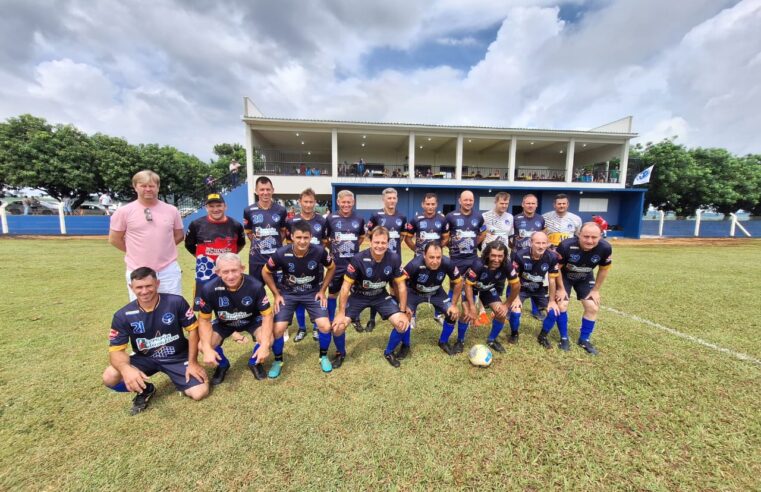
<point>90,208</point>
<point>38,207</point>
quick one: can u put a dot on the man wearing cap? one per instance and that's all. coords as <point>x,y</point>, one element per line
<point>210,236</point>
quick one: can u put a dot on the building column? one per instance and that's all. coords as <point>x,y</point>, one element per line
<point>411,156</point>
<point>458,159</point>
<point>624,163</point>
<point>511,159</point>
<point>334,153</point>
<point>249,163</point>
<point>570,149</point>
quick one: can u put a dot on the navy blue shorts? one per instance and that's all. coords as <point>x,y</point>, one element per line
<point>256,272</point>
<point>488,296</point>
<point>540,297</point>
<point>174,369</point>
<point>439,299</point>
<point>464,264</point>
<point>582,286</point>
<point>225,329</point>
<point>385,305</point>
<point>307,300</point>
<point>338,278</point>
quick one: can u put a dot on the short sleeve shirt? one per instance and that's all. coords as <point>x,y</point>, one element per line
<point>426,229</point>
<point>463,233</point>
<point>344,234</point>
<point>426,281</point>
<point>149,242</point>
<point>561,228</point>
<point>316,223</point>
<point>484,279</point>
<point>265,225</point>
<point>396,225</point>
<point>368,277</point>
<point>210,239</point>
<point>301,275</point>
<point>531,272</point>
<point>576,264</point>
<point>498,227</point>
<point>524,228</point>
<point>234,308</point>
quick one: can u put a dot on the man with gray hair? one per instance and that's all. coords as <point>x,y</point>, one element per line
<point>148,230</point>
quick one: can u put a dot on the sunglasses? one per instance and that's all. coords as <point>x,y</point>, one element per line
<point>148,215</point>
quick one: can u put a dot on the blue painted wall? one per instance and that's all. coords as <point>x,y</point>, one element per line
<point>236,201</point>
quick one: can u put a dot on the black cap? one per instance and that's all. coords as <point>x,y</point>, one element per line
<point>214,198</point>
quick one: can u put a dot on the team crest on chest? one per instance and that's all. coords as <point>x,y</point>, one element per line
<point>167,319</point>
<point>247,301</point>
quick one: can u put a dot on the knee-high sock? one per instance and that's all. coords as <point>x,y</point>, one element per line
<point>446,331</point>
<point>222,359</point>
<point>393,340</point>
<point>332,302</point>
<point>549,321</point>
<point>563,324</point>
<point>534,308</point>
<point>407,337</point>
<point>324,339</point>
<point>120,387</point>
<point>515,322</point>
<point>462,328</point>
<point>277,348</point>
<point>340,341</point>
<point>252,360</point>
<point>301,317</point>
<point>587,327</point>
<point>372,314</point>
<point>496,328</point>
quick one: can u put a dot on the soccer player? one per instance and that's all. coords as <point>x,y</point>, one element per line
<point>240,304</point>
<point>526,223</point>
<point>578,257</point>
<point>364,286</point>
<point>307,203</point>
<point>152,325</point>
<point>264,223</point>
<point>304,284</point>
<point>487,276</point>
<point>210,236</point>
<point>537,269</point>
<point>427,226</point>
<point>466,232</point>
<point>425,277</point>
<point>345,232</point>
<point>498,221</point>
<point>396,223</point>
<point>560,224</point>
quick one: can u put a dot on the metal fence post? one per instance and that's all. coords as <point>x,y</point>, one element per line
<point>698,215</point>
<point>660,223</point>
<point>61,218</point>
<point>4,217</point>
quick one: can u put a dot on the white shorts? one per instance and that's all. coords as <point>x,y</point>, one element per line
<point>170,279</point>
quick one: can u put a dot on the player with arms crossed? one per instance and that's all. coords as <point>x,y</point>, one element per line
<point>152,326</point>
<point>304,284</point>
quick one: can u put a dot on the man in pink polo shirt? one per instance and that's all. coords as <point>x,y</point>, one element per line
<point>148,231</point>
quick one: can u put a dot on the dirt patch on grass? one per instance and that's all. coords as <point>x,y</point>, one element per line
<point>51,237</point>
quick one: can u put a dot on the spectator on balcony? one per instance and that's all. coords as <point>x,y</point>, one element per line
<point>418,174</point>
<point>308,172</point>
<point>614,175</point>
<point>303,169</point>
<point>234,172</point>
<point>478,175</point>
<point>315,171</point>
<point>361,167</point>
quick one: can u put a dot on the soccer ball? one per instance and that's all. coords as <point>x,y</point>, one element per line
<point>480,355</point>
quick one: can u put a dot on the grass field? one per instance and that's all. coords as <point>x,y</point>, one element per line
<point>652,412</point>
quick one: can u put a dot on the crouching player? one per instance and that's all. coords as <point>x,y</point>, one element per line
<point>487,276</point>
<point>537,269</point>
<point>578,257</point>
<point>240,304</point>
<point>425,277</point>
<point>304,284</point>
<point>153,325</point>
<point>364,286</point>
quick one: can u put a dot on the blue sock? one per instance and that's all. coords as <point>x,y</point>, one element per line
<point>393,340</point>
<point>252,360</point>
<point>340,341</point>
<point>332,308</point>
<point>563,324</point>
<point>496,328</point>
<point>548,322</point>
<point>534,309</point>
<point>120,387</point>
<point>587,327</point>
<point>372,314</point>
<point>446,332</point>
<point>515,322</point>
<point>324,341</point>
<point>223,362</point>
<point>462,328</point>
<point>277,348</point>
<point>407,337</point>
<point>301,317</point>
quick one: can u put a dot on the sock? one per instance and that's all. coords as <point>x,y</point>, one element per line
<point>587,327</point>
<point>372,314</point>
<point>407,337</point>
<point>563,324</point>
<point>462,328</point>
<point>277,348</point>
<point>534,309</point>
<point>324,339</point>
<point>223,362</point>
<point>340,342</point>
<point>120,387</point>
<point>446,332</point>
<point>332,308</point>
<point>301,317</point>
<point>496,328</point>
<point>548,322</point>
<point>393,340</point>
<point>515,322</point>
<point>252,360</point>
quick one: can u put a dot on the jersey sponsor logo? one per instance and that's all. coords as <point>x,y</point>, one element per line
<point>351,268</point>
<point>112,334</point>
<point>167,319</point>
<point>312,264</point>
<point>224,301</point>
<point>429,236</point>
<point>228,316</point>
<point>189,314</point>
<point>532,278</point>
<point>247,301</point>
<point>425,289</point>
<point>137,327</point>
<point>265,302</point>
<point>136,311</point>
<point>146,344</point>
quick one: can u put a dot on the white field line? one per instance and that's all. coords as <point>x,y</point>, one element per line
<point>693,339</point>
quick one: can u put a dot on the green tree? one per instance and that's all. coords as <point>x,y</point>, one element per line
<point>733,183</point>
<point>116,160</point>
<point>182,175</point>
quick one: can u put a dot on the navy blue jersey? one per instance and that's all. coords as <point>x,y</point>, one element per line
<point>577,264</point>
<point>483,279</point>
<point>532,272</point>
<point>344,234</point>
<point>301,275</point>
<point>158,333</point>
<point>368,277</point>
<point>524,228</point>
<point>396,225</point>
<point>234,308</point>
<point>316,223</point>
<point>463,233</point>
<point>265,225</point>
<point>425,281</point>
<point>425,230</point>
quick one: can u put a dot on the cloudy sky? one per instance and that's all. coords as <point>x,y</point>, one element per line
<point>175,72</point>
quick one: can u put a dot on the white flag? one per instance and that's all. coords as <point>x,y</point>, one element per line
<point>644,176</point>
